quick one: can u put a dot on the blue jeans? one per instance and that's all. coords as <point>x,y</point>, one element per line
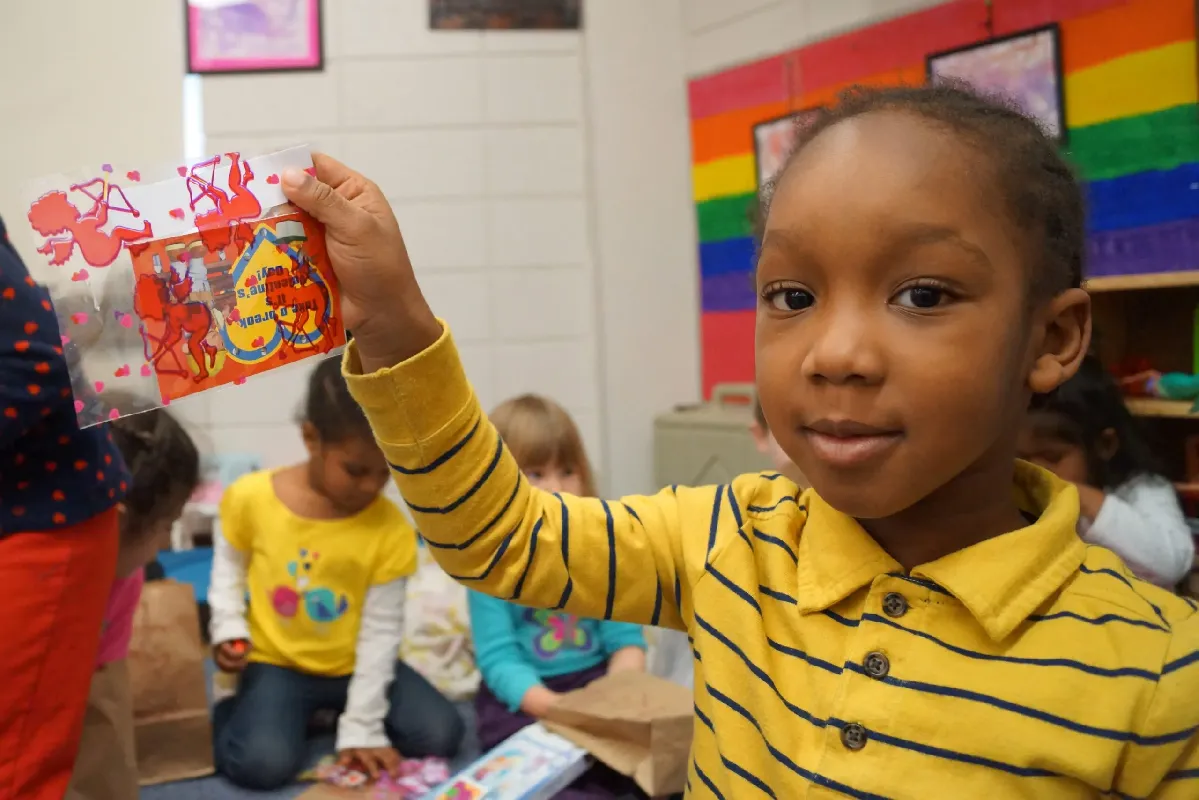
<point>260,735</point>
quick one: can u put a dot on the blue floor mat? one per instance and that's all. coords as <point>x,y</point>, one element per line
<point>189,566</point>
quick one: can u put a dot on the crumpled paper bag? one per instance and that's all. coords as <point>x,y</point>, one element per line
<point>638,724</point>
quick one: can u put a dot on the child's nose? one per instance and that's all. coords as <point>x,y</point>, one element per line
<point>845,350</point>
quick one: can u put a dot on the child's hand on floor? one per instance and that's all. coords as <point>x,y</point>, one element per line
<point>231,656</point>
<point>374,761</point>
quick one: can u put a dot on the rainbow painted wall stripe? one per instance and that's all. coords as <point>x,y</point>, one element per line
<point>1131,110</point>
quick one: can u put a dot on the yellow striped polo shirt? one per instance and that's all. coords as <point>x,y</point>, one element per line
<point>1029,665</point>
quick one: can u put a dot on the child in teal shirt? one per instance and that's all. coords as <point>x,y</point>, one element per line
<point>529,657</point>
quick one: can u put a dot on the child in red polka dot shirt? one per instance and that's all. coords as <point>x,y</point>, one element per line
<point>59,491</point>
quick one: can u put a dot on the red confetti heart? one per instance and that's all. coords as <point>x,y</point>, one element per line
<point>99,386</point>
<point>114,414</point>
<point>81,275</point>
<point>177,213</point>
<point>133,175</point>
<point>166,401</point>
<point>122,371</point>
<point>146,371</point>
<point>126,320</point>
<point>238,381</point>
<point>182,171</point>
<point>65,339</point>
<point>272,179</point>
<point>79,318</point>
<point>78,406</point>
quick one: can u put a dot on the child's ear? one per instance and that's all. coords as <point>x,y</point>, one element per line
<point>312,439</point>
<point>1108,444</point>
<point>1064,334</point>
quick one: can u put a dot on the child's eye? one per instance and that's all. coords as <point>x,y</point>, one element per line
<point>921,297</point>
<point>790,299</point>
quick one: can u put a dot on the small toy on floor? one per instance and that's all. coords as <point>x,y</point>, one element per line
<point>415,778</point>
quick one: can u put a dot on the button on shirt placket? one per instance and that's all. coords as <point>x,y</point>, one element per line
<point>874,664</point>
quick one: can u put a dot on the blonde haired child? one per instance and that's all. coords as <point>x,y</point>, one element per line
<point>528,657</point>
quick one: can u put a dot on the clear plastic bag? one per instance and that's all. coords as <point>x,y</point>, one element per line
<point>174,282</point>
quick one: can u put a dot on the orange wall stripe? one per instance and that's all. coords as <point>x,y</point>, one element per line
<point>1125,29</point>
<point>730,133</point>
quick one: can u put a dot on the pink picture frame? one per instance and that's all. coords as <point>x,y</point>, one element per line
<point>249,36</point>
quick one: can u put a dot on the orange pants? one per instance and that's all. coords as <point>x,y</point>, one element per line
<point>56,587</point>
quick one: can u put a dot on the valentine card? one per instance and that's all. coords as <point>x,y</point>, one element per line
<point>178,280</point>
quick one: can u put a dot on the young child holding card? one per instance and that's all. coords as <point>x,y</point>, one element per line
<point>59,490</point>
<point>924,621</point>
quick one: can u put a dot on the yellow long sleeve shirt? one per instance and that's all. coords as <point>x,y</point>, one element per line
<point>1029,665</point>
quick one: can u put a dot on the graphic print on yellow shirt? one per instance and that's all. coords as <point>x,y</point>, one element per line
<point>308,578</point>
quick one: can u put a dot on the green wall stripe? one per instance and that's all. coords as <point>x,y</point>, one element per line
<point>1162,140</point>
<point>724,218</point>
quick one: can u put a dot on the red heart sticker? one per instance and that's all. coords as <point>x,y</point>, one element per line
<point>81,275</point>
<point>272,179</point>
<point>177,213</point>
<point>133,175</point>
<point>182,171</point>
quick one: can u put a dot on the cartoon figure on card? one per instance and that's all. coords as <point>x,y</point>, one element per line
<point>55,217</point>
<point>305,303</point>
<point>163,299</point>
<point>224,225</point>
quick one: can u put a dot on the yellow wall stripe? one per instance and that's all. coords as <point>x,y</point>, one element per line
<point>1138,83</point>
<point>723,177</point>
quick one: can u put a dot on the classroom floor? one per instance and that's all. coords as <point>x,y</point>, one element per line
<point>217,788</point>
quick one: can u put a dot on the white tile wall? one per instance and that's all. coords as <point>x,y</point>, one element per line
<point>479,142</point>
<point>724,33</point>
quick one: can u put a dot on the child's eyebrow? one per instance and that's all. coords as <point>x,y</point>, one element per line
<point>912,235</point>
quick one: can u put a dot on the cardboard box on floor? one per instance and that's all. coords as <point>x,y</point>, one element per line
<point>638,724</point>
<point>171,726</point>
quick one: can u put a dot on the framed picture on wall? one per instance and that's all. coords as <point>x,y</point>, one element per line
<point>240,36</point>
<point>505,14</point>
<point>1025,66</point>
<point>774,139</point>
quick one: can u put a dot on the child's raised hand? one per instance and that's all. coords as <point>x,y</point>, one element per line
<point>374,761</point>
<point>231,656</point>
<point>381,302</point>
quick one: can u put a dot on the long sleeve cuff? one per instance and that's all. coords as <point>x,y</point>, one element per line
<point>412,401</point>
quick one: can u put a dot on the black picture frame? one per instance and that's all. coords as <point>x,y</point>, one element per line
<point>1059,78</point>
<point>500,15</point>
<point>318,65</point>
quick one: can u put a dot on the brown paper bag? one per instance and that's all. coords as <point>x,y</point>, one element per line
<point>638,724</point>
<point>171,725</point>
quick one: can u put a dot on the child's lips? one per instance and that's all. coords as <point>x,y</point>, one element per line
<point>849,444</point>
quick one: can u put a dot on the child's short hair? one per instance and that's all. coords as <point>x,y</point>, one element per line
<point>329,407</point>
<point>539,432</point>
<point>1079,412</point>
<point>163,464</point>
<point>1043,196</point>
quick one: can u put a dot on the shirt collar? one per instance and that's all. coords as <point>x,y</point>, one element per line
<point>1000,581</point>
